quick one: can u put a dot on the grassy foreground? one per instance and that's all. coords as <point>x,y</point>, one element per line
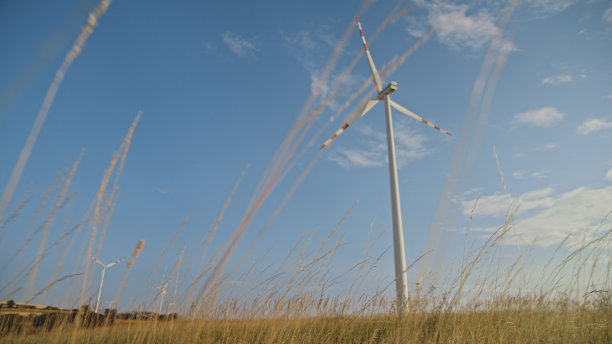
<point>582,325</point>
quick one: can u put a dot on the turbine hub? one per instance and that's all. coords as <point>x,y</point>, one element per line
<point>387,90</point>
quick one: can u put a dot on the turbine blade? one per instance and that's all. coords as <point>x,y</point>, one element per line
<point>417,117</point>
<point>97,261</point>
<point>113,263</point>
<point>355,116</point>
<point>375,75</point>
<point>367,107</point>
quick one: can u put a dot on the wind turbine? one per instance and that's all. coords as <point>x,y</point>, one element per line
<point>162,289</point>
<point>401,282</point>
<point>102,278</point>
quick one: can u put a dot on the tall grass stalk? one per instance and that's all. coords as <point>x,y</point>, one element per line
<point>76,49</point>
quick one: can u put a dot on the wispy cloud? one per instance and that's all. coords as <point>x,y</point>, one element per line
<point>557,79</point>
<point>238,44</point>
<point>546,219</point>
<point>609,96</point>
<point>547,146</point>
<point>543,117</point>
<point>409,145</point>
<point>609,175</point>
<point>318,86</point>
<point>551,6</point>
<point>159,190</point>
<point>303,39</point>
<point>498,204</point>
<point>594,124</point>
<point>520,174</point>
<point>302,44</point>
<point>348,158</point>
<point>541,174</point>
<point>307,46</point>
<point>607,16</point>
<point>210,48</point>
<point>455,27</point>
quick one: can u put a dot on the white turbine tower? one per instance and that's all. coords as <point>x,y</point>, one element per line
<point>162,289</point>
<point>104,267</point>
<point>401,282</point>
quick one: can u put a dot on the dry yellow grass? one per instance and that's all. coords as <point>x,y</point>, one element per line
<point>287,312</point>
<point>518,326</point>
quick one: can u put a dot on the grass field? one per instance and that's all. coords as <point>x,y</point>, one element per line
<point>559,313</point>
<point>575,325</point>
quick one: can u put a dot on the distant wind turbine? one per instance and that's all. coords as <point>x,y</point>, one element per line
<point>401,282</point>
<point>162,289</point>
<point>102,278</point>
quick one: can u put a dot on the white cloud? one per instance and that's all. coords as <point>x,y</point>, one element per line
<point>318,87</point>
<point>410,142</point>
<point>607,16</point>
<point>457,29</point>
<point>357,158</point>
<point>543,117</point>
<point>546,219</point>
<point>609,175</point>
<point>609,96</point>
<point>547,146</point>
<point>302,39</point>
<point>541,174</point>
<point>518,174</point>
<point>551,6</point>
<point>508,47</point>
<point>238,44</point>
<point>321,88</point>
<point>409,145</point>
<point>307,46</point>
<point>159,190</point>
<point>594,124</point>
<point>498,204</point>
<point>492,205</point>
<point>472,192</point>
<point>558,79</point>
<point>416,27</point>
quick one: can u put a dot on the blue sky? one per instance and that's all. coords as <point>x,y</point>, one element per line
<point>222,84</point>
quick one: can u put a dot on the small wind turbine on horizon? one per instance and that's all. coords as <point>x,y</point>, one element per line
<point>162,289</point>
<point>104,267</point>
<point>401,281</point>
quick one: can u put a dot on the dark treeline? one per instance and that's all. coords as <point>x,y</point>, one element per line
<point>54,317</point>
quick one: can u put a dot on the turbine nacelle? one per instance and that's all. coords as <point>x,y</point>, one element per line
<point>392,87</point>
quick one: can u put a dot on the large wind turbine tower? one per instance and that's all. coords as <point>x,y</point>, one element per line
<point>401,281</point>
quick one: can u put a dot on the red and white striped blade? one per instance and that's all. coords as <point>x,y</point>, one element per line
<point>355,116</point>
<point>417,117</point>
<point>375,75</point>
